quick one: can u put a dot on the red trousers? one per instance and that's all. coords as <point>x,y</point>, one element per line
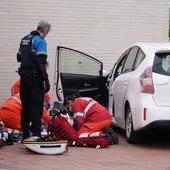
<point>93,127</point>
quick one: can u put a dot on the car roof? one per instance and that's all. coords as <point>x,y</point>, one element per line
<point>153,47</point>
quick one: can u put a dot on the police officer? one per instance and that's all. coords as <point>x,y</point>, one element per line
<point>34,79</point>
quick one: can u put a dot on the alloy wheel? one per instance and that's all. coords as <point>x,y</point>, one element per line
<point>129,124</point>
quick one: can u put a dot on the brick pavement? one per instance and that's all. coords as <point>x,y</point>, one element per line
<point>115,157</point>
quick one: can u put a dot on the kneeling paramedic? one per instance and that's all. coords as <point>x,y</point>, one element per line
<point>89,115</point>
<point>34,80</point>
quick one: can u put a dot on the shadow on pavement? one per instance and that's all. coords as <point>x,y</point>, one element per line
<point>152,138</point>
<point>157,138</point>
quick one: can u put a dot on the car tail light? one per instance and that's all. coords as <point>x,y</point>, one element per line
<point>146,81</point>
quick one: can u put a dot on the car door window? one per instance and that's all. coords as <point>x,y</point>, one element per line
<point>130,60</point>
<point>120,64</point>
<point>76,71</point>
<point>74,62</point>
<point>139,59</point>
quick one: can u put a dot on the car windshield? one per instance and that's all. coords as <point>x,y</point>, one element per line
<point>162,64</point>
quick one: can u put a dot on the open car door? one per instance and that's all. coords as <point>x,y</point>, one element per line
<point>78,72</point>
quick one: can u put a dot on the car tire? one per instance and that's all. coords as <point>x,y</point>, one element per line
<point>130,134</point>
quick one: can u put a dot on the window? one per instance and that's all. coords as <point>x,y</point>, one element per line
<point>162,64</point>
<point>75,62</point>
<point>139,59</point>
<point>130,60</point>
<point>166,64</point>
<point>120,64</point>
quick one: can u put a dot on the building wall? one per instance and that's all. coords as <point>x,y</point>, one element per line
<point>103,29</point>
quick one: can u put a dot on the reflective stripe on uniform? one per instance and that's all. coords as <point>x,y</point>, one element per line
<point>79,114</point>
<point>16,99</point>
<point>88,107</point>
<point>41,52</point>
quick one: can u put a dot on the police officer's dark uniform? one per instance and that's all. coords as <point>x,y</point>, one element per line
<point>32,54</point>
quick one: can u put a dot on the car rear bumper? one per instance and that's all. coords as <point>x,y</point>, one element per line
<point>150,115</point>
<point>156,125</point>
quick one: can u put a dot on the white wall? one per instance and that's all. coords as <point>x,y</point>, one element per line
<point>103,29</point>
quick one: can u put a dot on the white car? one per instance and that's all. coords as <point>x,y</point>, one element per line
<point>138,86</point>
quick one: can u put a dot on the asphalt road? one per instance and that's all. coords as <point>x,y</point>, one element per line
<point>152,154</point>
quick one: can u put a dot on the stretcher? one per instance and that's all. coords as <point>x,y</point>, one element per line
<point>47,147</point>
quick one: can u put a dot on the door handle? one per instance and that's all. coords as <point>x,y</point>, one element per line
<point>87,85</point>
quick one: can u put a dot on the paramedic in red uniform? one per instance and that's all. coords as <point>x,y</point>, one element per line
<point>89,115</point>
<point>10,113</point>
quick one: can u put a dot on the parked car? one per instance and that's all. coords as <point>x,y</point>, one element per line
<point>138,86</point>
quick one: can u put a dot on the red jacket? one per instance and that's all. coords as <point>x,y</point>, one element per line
<point>88,110</point>
<point>10,112</point>
<point>15,88</point>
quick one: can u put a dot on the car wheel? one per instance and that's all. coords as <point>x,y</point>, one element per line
<point>130,134</point>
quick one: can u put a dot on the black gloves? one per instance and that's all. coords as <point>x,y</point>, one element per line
<point>47,86</point>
